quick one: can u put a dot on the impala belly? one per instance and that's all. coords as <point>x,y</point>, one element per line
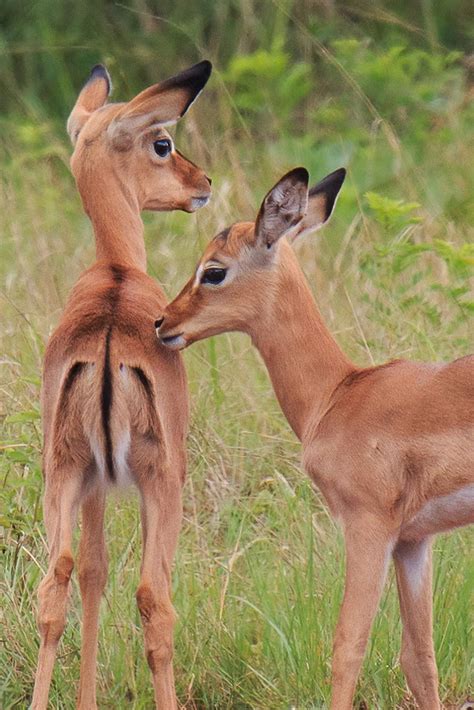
<point>442,514</point>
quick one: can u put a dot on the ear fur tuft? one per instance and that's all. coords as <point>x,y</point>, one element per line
<point>283,207</point>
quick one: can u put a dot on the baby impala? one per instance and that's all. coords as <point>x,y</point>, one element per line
<point>391,447</point>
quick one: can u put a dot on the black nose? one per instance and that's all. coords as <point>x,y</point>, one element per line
<point>159,322</point>
<point>209,179</point>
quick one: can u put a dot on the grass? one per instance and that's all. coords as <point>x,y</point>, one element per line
<point>258,576</point>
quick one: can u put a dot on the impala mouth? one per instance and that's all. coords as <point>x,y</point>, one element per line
<point>198,202</point>
<point>174,342</point>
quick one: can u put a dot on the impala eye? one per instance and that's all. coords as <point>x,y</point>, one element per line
<point>213,276</point>
<point>162,147</point>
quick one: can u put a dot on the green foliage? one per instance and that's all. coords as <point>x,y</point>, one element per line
<point>392,214</point>
<point>258,578</point>
<point>405,84</point>
<point>416,280</point>
<point>266,84</point>
<point>20,499</point>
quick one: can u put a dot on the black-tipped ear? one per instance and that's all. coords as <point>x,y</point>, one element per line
<point>100,72</point>
<point>283,207</point>
<point>165,103</point>
<point>321,200</point>
<point>192,81</point>
<point>92,96</point>
<point>329,187</point>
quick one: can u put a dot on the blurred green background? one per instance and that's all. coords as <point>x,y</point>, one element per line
<point>384,88</point>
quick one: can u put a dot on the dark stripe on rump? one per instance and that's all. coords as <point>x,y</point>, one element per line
<point>106,407</point>
<point>72,375</point>
<point>154,422</point>
<point>144,381</point>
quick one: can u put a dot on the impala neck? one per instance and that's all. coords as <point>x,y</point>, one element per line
<point>304,361</point>
<point>115,215</point>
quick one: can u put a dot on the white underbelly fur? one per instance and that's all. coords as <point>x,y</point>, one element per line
<point>443,513</point>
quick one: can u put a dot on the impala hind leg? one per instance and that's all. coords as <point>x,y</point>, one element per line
<point>92,564</point>
<point>368,550</point>
<point>161,520</point>
<point>60,505</point>
<point>413,569</point>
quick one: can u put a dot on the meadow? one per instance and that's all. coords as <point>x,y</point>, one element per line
<point>384,89</point>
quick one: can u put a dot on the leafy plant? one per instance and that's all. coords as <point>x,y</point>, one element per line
<point>407,86</point>
<point>267,84</point>
<point>417,284</point>
<point>392,214</point>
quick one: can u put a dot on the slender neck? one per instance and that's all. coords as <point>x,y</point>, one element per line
<point>304,361</point>
<point>115,215</point>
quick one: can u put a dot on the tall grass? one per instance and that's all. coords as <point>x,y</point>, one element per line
<point>259,573</point>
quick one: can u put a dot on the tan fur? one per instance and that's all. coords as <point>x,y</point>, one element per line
<point>391,447</point>
<point>114,401</point>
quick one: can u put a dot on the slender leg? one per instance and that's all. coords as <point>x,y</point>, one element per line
<point>413,569</point>
<point>368,550</point>
<point>161,519</point>
<point>92,565</point>
<point>60,504</point>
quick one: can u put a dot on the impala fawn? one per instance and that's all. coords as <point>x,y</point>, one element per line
<point>391,447</point>
<point>114,401</point>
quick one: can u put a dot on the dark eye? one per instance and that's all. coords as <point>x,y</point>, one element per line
<point>213,276</point>
<point>162,147</point>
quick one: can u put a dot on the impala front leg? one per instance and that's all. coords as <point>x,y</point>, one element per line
<point>368,550</point>
<point>413,568</point>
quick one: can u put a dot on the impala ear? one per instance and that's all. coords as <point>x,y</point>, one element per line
<point>165,103</point>
<point>321,201</point>
<point>283,207</point>
<point>93,95</point>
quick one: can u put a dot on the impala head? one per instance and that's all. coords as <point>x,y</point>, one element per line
<point>237,277</point>
<point>129,143</point>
